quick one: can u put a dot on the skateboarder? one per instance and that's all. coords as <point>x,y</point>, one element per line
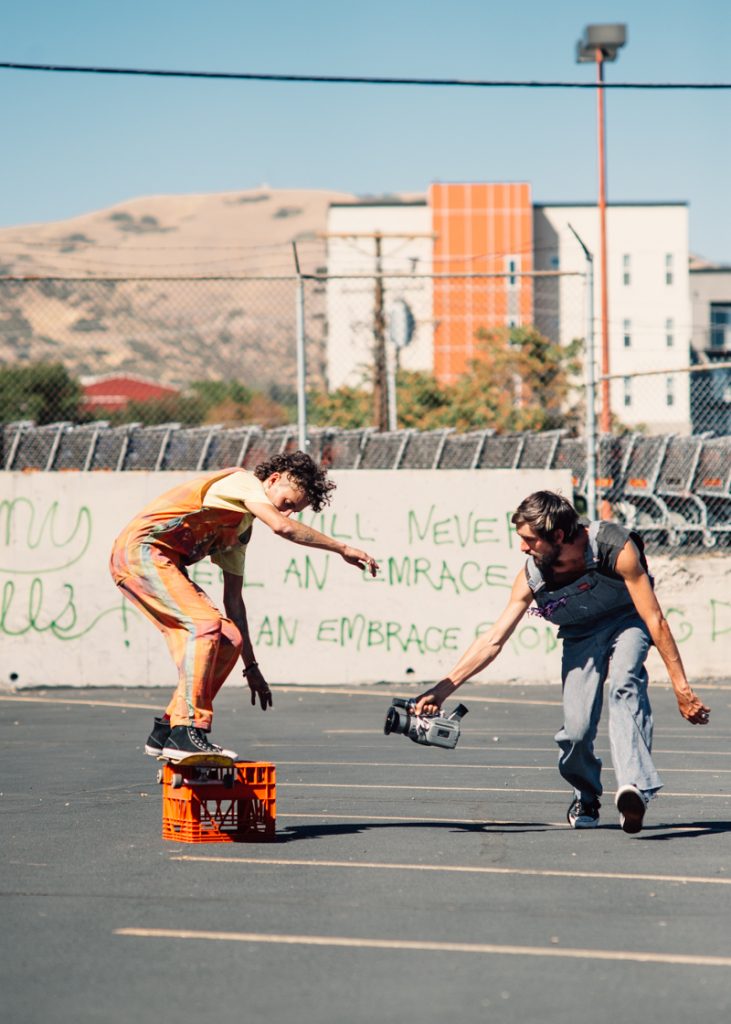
<point>213,516</point>
<point>592,581</point>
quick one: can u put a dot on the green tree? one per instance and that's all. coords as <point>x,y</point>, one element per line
<point>185,409</point>
<point>521,380</point>
<point>43,392</point>
<point>347,408</point>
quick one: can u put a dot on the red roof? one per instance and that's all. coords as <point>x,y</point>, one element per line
<point>114,391</point>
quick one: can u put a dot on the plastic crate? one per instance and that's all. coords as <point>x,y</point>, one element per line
<point>220,809</point>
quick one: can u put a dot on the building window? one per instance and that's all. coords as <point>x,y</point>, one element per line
<point>627,333</point>
<point>668,268</point>
<point>512,266</point>
<point>670,391</point>
<point>669,332</point>
<point>720,325</point>
<point>627,384</point>
<point>626,269</point>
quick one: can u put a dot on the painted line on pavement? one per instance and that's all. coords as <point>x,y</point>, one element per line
<point>459,869</point>
<point>410,945</point>
<point>461,789</point>
<point>522,826</point>
<point>481,767</point>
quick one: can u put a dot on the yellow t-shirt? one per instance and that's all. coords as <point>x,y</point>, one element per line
<point>232,493</point>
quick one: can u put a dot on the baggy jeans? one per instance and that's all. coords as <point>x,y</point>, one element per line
<point>616,654</point>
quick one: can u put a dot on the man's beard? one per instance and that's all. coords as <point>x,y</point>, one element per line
<point>549,559</point>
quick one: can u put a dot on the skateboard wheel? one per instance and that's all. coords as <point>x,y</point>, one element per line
<point>159,775</point>
<point>177,780</point>
<point>228,780</point>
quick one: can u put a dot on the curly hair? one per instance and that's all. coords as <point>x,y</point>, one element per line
<point>305,472</point>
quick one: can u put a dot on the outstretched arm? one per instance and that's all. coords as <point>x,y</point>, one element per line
<point>298,533</point>
<point>483,649</point>
<point>638,583</point>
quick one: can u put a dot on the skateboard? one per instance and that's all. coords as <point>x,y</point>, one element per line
<point>200,769</point>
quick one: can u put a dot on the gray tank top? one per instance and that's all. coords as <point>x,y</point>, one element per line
<point>578,607</point>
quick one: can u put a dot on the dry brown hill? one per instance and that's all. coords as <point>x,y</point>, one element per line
<point>164,286</point>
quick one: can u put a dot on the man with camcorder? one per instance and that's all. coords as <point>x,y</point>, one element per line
<point>592,581</point>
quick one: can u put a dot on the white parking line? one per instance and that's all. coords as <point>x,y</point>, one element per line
<point>482,767</point>
<point>462,789</point>
<point>457,869</point>
<point>485,949</point>
<point>523,826</point>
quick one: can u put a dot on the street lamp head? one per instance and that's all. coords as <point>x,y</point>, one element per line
<point>608,39</point>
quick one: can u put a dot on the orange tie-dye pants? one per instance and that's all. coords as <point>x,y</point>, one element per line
<point>203,643</point>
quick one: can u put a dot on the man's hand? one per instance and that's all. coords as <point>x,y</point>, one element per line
<point>430,702</point>
<point>691,708</point>
<point>354,556</point>
<point>259,687</point>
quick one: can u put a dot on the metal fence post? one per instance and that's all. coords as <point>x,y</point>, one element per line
<point>590,425</point>
<point>301,365</point>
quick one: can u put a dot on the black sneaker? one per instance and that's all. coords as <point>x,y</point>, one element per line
<point>220,750</point>
<point>185,740</point>
<point>583,815</point>
<point>631,805</point>
<point>158,737</point>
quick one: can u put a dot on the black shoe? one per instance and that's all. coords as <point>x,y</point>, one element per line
<point>220,750</point>
<point>583,815</point>
<point>631,804</point>
<point>185,740</point>
<point>158,737</point>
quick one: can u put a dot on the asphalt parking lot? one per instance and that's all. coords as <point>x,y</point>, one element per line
<point>405,883</point>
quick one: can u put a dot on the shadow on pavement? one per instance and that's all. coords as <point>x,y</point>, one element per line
<point>296,832</point>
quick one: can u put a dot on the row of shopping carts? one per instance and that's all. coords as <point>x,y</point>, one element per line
<point>675,490</point>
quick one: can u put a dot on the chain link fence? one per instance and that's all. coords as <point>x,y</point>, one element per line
<point>401,370</point>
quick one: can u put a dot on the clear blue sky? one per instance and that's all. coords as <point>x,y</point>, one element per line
<point>75,143</point>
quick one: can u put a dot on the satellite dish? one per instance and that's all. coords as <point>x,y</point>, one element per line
<point>401,323</point>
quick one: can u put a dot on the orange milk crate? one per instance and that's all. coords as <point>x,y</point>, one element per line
<point>226,805</point>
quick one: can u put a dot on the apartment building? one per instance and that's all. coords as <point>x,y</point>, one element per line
<point>458,259</point>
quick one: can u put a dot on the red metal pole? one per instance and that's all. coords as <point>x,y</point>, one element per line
<point>605,422</point>
<point>605,418</point>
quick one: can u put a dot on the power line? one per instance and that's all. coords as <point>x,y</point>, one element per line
<point>242,76</point>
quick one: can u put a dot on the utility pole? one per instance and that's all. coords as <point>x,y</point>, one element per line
<point>384,411</point>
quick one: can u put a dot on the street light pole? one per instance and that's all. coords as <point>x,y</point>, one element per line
<point>599,44</point>
<point>605,422</point>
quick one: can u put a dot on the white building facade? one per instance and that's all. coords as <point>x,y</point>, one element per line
<point>650,321</point>
<point>356,232</point>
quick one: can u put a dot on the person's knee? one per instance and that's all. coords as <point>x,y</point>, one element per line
<point>210,629</point>
<point>231,636</point>
<point>576,727</point>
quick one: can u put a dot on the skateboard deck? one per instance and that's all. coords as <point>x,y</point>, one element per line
<point>199,761</point>
<point>199,769</point>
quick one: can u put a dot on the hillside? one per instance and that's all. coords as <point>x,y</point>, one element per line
<point>160,286</point>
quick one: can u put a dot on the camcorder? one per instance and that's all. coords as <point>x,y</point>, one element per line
<point>432,730</point>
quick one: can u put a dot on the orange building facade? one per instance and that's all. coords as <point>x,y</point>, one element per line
<point>479,229</point>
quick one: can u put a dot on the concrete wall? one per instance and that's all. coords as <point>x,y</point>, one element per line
<point>448,558</point>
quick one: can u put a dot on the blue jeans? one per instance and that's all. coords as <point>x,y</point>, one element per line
<point>616,654</point>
